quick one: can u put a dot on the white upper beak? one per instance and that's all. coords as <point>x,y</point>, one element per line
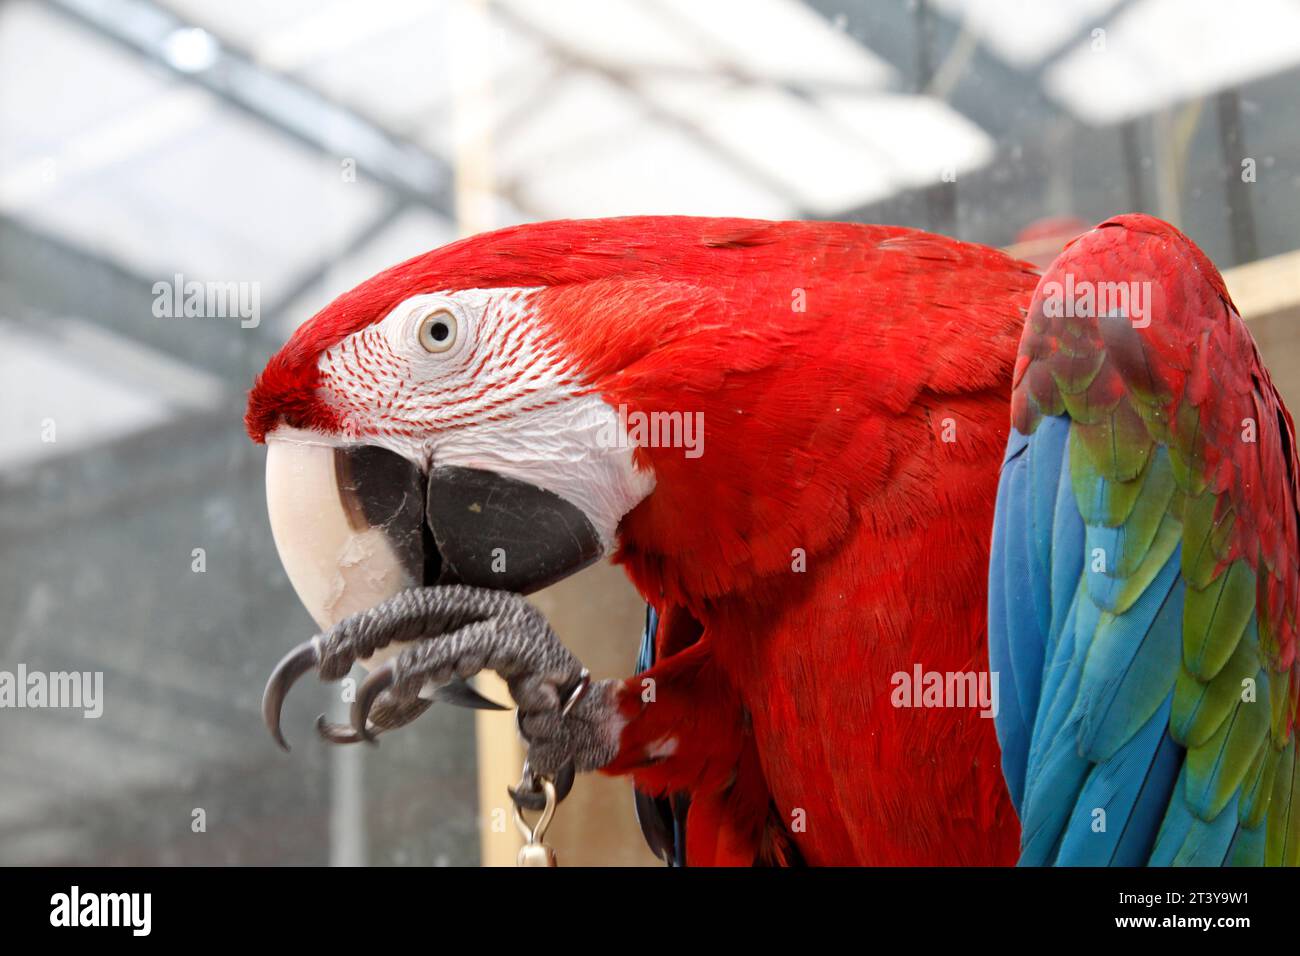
<point>337,561</point>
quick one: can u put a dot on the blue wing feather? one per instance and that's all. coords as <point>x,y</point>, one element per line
<point>1012,725</point>
<point>1024,639</point>
<point>1086,749</point>
<point>662,819</point>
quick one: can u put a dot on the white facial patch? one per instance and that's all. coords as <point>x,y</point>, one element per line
<point>496,397</point>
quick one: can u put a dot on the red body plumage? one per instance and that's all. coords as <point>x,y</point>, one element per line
<point>825,437</point>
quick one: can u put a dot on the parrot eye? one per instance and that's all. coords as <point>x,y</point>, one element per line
<point>438,331</point>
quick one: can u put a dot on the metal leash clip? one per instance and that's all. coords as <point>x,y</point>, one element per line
<point>535,852</point>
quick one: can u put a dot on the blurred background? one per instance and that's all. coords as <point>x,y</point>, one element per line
<point>285,151</point>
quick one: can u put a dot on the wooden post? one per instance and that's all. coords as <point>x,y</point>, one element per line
<point>1267,293</point>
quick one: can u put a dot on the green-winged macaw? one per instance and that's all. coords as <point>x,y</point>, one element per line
<point>791,436</point>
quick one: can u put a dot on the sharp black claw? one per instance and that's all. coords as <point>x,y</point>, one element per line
<point>293,665</point>
<point>564,781</point>
<point>460,693</point>
<point>336,733</point>
<point>526,799</point>
<point>379,681</point>
<point>529,795</point>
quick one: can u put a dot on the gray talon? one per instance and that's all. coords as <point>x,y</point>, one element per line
<point>461,694</point>
<point>292,666</point>
<point>336,733</point>
<point>380,679</point>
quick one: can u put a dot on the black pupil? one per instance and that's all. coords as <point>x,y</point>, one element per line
<point>439,330</point>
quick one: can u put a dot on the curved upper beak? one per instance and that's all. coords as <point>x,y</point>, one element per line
<point>347,523</point>
<point>355,524</point>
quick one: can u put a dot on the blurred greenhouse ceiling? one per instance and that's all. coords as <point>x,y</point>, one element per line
<point>300,146</point>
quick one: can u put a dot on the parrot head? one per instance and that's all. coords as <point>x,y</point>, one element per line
<point>436,425</point>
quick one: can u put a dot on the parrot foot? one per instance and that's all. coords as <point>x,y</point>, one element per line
<point>454,631</point>
<point>388,715</point>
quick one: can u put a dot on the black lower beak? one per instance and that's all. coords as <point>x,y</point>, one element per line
<point>493,531</point>
<point>478,527</point>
